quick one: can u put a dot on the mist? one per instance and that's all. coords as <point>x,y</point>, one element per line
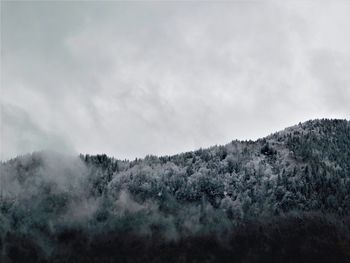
<point>52,203</point>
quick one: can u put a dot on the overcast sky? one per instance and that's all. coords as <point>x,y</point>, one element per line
<point>135,78</point>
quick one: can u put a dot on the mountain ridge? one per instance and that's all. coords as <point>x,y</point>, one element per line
<point>282,196</point>
<point>285,130</point>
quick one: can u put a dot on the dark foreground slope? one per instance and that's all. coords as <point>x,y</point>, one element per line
<point>284,198</point>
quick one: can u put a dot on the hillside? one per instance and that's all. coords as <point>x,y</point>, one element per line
<point>284,197</point>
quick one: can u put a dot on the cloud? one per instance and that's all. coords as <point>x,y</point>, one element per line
<point>331,69</point>
<point>130,79</point>
<point>20,134</point>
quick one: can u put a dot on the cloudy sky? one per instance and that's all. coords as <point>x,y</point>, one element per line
<point>136,78</point>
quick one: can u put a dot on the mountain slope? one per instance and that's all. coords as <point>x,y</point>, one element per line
<point>209,199</point>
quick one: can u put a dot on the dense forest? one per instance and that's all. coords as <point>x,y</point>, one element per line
<point>283,198</point>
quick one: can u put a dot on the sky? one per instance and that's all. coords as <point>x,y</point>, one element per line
<point>135,78</point>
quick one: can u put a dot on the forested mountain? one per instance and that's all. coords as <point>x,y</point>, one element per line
<point>285,197</point>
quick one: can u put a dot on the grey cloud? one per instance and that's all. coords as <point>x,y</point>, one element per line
<point>20,134</point>
<point>131,79</point>
<point>331,69</point>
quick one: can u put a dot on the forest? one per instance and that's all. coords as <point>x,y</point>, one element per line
<point>282,198</point>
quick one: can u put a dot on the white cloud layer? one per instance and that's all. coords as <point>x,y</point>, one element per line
<point>136,78</point>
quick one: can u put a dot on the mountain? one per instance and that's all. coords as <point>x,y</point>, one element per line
<point>285,197</point>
